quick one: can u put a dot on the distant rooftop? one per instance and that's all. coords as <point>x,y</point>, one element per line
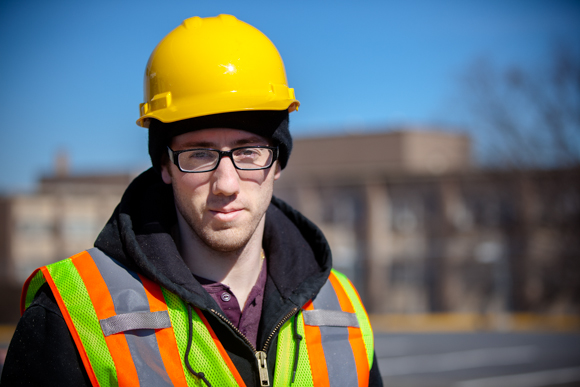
<point>62,181</point>
<point>85,184</point>
<point>409,151</point>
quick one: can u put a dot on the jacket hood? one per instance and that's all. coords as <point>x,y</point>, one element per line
<point>138,236</point>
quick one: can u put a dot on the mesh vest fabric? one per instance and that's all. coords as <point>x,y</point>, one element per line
<point>312,369</point>
<point>283,375</point>
<point>207,355</point>
<point>75,304</point>
<point>99,355</point>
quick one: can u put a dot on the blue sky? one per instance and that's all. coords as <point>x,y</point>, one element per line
<point>72,70</point>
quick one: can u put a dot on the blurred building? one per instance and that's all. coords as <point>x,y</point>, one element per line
<point>420,229</point>
<point>410,219</point>
<point>62,218</point>
<point>59,220</point>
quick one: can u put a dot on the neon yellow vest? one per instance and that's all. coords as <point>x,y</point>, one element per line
<point>130,331</point>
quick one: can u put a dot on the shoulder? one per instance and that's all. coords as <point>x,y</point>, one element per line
<point>42,349</point>
<point>44,303</point>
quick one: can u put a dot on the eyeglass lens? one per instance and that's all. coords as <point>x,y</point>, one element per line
<point>199,160</point>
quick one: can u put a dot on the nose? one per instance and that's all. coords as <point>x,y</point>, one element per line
<point>225,179</point>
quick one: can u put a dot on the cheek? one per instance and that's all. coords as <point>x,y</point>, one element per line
<point>190,189</point>
<point>263,192</point>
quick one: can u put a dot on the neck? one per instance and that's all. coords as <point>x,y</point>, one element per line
<point>237,269</point>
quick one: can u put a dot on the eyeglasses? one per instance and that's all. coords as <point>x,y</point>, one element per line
<point>248,158</point>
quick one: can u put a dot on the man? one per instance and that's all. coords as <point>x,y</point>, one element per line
<point>201,276</point>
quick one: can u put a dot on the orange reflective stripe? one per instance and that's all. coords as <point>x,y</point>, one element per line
<point>222,350</point>
<point>154,294</point>
<point>96,286</point>
<point>354,334</point>
<point>104,307</point>
<point>343,300</point>
<point>71,326</point>
<point>360,355</point>
<point>316,352</point>
<point>170,356</point>
<point>165,337</point>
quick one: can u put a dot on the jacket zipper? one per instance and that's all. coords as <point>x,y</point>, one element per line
<point>260,355</point>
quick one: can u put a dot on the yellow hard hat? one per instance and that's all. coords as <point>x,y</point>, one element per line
<point>213,65</point>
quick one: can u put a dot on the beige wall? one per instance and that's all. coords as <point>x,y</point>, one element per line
<point>45,228</point>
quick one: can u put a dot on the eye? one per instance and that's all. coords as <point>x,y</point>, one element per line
<point>248,153</point>
<point>200,154</point>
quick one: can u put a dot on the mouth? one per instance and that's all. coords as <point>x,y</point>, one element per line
<point>225,215</point>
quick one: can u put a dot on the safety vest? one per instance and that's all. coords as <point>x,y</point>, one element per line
<point>130,331</point>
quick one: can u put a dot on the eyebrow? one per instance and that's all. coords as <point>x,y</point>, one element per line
<point>253,140</point>
<point>250,140</point>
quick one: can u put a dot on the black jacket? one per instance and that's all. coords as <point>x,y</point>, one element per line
<point>42,351</point>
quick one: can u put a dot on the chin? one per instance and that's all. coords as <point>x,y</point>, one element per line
<point>225,240</point>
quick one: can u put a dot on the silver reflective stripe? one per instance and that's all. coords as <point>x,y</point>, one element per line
<point>331,318</point>
<point>337,350</point>
<point>137,320</point>
<point>129,297</point>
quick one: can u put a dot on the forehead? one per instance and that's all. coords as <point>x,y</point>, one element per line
<point>217,138</point>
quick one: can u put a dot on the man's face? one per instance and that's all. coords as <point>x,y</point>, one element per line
<point>224,207</point>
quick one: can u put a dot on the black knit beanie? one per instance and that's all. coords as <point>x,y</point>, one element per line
<point>270,124</point>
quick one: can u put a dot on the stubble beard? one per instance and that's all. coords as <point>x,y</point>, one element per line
<point>231,236</point>
<point>228,238</point>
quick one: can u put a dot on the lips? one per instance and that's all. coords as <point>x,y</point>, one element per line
<point>226,215</point>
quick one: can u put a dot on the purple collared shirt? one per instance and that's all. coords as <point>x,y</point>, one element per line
<point>247,321</point>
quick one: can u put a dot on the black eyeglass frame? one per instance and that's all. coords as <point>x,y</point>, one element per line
<point>174,157</point>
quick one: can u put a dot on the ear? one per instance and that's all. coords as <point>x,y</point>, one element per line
<point>278,171</point>
<point>166,173</point>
